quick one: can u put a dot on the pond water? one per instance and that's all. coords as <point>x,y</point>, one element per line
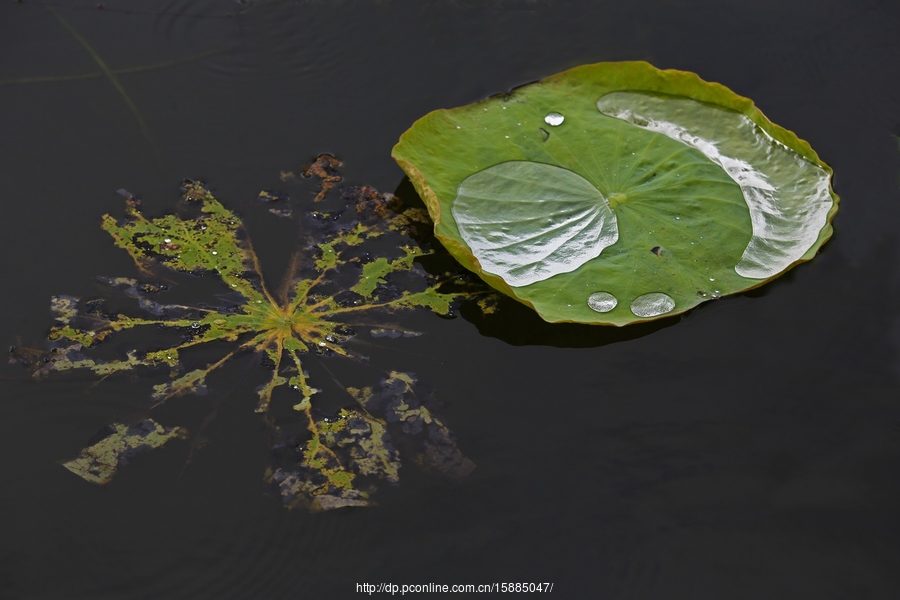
<point>747,449</point>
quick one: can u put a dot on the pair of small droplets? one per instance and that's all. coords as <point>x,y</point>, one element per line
<point>646,305</point>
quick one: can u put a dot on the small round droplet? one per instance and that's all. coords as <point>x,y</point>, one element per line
<point>195,325</point>
<point>554,119</point>
<point>712,278</point>
<point>652,304</point>
<point>602,302</point>
<point>214,252</point>
<point>167,240</point>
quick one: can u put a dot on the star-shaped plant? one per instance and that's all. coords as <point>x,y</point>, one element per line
<point>333,288</point>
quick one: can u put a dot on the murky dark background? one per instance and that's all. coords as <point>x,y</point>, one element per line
<point>749,449</point>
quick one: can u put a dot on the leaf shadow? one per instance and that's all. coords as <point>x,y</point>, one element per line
<point>519,325</point>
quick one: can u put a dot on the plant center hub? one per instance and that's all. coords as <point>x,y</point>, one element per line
<point>616,199</point>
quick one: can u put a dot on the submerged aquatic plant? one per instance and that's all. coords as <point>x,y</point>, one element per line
<point>333,288</point>
<point>617,193</point>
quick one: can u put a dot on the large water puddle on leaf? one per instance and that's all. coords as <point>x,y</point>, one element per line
<point>787,195</point>
<point>528,221</point>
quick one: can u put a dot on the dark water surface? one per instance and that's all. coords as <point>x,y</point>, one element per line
<point>749,449</point>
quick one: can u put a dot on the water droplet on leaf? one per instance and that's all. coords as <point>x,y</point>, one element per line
<point>652,304</point>
<point>602,302</point>
<point>554,119</point>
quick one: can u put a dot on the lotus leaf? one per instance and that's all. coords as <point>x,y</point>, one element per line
<point>617,193</point>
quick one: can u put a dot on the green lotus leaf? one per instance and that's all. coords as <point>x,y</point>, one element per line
<point>617,193</point>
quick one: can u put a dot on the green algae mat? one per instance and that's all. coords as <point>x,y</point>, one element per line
<point>616,193</point>
<point>356,267</point>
